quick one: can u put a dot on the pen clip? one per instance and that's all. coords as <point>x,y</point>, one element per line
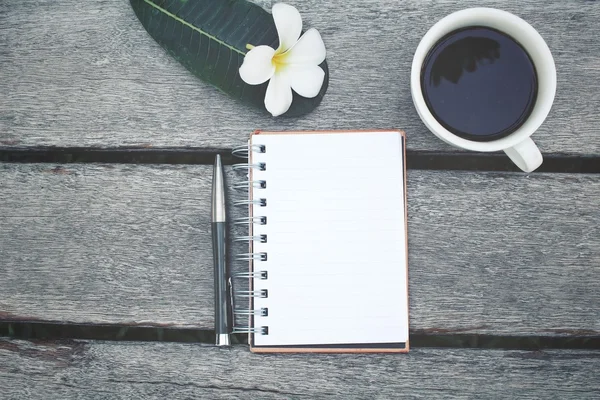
<point>231,304</point>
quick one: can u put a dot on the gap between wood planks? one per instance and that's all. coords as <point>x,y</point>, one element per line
<point>420,160</point>
<point>55,330</point>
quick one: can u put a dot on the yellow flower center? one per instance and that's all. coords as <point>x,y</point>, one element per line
<point>279,60</point>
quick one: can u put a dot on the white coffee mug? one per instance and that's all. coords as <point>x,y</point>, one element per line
<point>518,145</point>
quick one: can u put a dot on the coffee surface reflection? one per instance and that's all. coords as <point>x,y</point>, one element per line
<point>479,83</point>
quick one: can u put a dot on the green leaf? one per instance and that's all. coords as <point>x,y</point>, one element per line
<point>209,38</point>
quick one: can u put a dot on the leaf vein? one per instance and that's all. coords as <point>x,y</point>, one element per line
<point>200,31</point>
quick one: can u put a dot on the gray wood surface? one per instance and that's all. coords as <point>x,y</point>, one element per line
<point>85,73</point>
<point>500,253</point>
<point>97,370</point>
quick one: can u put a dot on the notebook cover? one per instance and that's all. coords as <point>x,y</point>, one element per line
<point>402,347</point>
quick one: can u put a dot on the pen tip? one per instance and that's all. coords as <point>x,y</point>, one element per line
<point>218,160</point>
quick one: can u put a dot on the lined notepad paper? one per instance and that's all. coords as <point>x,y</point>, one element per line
<point>336,238</point>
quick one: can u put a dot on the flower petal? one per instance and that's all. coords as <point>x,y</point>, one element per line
<point>289,25</point>
<point>258,65</point>
<point>306,80</point>
<point>279,95</point>
<point>310,49</point>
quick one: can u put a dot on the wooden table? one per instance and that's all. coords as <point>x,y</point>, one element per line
<point>105,256</point>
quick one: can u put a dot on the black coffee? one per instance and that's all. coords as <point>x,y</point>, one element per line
<point>479,83</point>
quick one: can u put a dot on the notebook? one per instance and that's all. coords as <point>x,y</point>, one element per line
<point>328,242</point>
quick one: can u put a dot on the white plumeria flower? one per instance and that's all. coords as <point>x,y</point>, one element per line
<point>294,65</point>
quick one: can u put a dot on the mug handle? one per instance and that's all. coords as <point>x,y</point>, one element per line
<point>525,155</point>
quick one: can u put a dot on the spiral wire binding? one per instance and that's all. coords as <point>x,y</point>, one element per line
<point>247,166</point>
<point>253,275</point>
<point>256,238</point>
<point>254,258</point>
<point>256,184</point>
<point>250,220</point>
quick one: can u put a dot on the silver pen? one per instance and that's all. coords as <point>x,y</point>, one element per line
<point>223,289</point>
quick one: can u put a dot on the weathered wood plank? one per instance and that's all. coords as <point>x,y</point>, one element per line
<point>103,243</point>
<point>93,370</point>
<point>518,247</point>
<point>76,73</point>
<point>500,253</point>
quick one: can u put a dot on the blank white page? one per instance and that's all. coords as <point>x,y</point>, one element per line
<point>336,238</point>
